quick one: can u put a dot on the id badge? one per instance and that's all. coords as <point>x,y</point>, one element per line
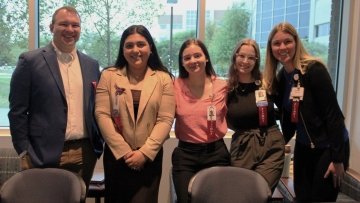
<point>211,120</point>
<point>297,92</point>
<point>260,95</point>
<point>262,104</point>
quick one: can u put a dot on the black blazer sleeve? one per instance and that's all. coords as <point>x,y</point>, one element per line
<point>325,99</point>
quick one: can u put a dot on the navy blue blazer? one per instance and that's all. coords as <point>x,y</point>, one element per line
<point>38,107</point>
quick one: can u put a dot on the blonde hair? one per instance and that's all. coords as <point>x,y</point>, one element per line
<point>301,60</point>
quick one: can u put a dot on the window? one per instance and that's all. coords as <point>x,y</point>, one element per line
<point>291,2</point>
<point>322,30</point>
<point>96,26</point>
<point>266,24</point>
<point>256,18</point>
<point>292,18</point>
<point>305,6</point>
<point>191,19</point>
<point>278,19</point>
<point>304,33</point>
<point>221,38</point>
<point>101,33</point>
<point>226,24</point>
<point>304,19</point>
<point>13,40</point>
<point>279,4</point>
<point>165,22</point>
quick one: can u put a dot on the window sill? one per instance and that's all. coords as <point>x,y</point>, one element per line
<point>4,131</point>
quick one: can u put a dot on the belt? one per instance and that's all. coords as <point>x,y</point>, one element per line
<point>76,141</point>
<point>260,133</point>
<point>200,146</point>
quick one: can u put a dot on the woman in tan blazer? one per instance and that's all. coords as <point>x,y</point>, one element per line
<point>135,109</point>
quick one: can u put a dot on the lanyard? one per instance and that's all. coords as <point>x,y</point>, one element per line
<point>262,105</point>
<point>296,95</point>
<point>211,114</point>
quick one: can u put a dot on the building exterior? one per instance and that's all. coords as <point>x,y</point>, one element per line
<point>310,17</point>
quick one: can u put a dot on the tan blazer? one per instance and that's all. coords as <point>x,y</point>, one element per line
<point>154,118</point>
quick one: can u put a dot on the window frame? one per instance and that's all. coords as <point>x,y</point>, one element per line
<point>33,41</point>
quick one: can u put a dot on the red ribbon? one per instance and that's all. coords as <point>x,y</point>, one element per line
<point>262,110</point>
<point>117,120</point>
<point>295,111</point>
<point>211,127</point>
<point>263,118</point>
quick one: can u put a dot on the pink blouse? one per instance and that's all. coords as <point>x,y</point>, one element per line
<point>191,123</point>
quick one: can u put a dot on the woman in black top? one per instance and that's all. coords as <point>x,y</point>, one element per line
<point>308,106</point>
<point>257,143</point>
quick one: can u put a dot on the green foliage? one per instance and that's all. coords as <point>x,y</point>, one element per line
<point>110,18</point>
<point>317,49</point>
<point>46,15</point>
<point>102,24</point>
<point>230,29</point>
<point>13,35</point>
<point>163,47</point>
<point>5,58</point>
<point>92,45</point>
<point>13,40</point>
<point>314,48</point>
<point>15,16</point>
<point>209,31</point>
<point>4,89</point>
<point>262,58</point>
<point>103,21</point>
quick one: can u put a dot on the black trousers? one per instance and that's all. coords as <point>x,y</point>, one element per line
<point>189,158</point>
<point>310,166</point>
<point>124,185</point>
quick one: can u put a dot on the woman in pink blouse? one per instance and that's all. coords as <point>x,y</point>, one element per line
<point>200,117</point>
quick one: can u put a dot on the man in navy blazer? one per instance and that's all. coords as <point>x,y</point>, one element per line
<point>52,94</point>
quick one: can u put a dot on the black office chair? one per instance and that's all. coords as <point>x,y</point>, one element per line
<point>228,185</point>
<point>49,185</point>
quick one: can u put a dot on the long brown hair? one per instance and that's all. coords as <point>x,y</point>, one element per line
<point>233,74</point>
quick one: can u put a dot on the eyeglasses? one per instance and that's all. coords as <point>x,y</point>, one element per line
<point>243,57</point>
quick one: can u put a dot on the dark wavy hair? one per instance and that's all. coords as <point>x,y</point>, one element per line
<point>154,61</point>
<point>208,68</point>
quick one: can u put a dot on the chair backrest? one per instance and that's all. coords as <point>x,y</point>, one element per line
<point>48,185</point>
<point>228,185</point>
